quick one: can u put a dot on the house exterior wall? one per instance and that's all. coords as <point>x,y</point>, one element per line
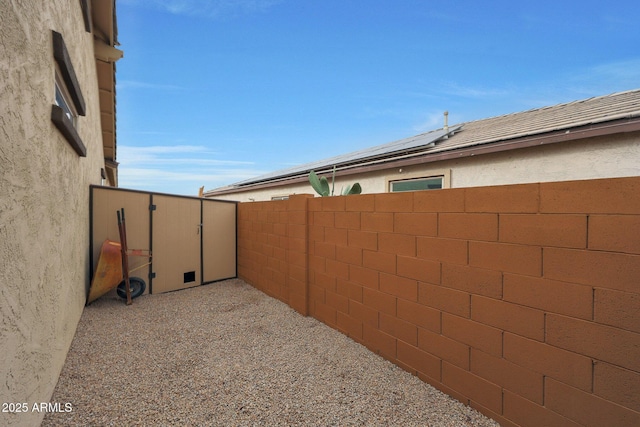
<point>44,200</point>
<point>600,157</point>
<point>519,300</point>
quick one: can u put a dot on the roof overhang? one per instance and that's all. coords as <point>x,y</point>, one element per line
<point>105,37</point>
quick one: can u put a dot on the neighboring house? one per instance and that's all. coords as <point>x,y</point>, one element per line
<point>592,138</point>
<point>57,137</point>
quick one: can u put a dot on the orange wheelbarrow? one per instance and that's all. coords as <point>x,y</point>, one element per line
<point>113,268</point>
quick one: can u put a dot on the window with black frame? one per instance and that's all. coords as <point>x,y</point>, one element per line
<point>69,102</point>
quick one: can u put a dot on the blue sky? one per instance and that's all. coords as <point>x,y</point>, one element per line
<point>211,92</point>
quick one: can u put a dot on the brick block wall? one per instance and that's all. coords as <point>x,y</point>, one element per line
<point>522,301</point>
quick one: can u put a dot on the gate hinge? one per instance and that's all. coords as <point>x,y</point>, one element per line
<point>152,275</point>
<point>152,207</point>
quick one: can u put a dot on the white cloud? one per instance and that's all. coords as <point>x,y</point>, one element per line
<point>156,153</point>
<point>135,84</point>
<point>623,70</point>
<point>160,178</point>
<point>455,89</point>
<point>206,8</point>
<point>179,169</point>
<point>599,79</point>
<point>432,120</point>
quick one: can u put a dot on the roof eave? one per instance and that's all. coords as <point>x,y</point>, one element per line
<point>624,125</point>
<point>104,29</point>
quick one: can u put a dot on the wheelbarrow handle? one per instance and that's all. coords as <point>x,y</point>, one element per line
<point>120,216</point>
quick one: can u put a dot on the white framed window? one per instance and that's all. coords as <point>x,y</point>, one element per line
<point>280,197</point>
<point>418,180</point>
<point>416,184</point>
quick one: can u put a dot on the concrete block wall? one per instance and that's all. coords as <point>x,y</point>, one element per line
<point>522,301</point>
<point>272,248</point>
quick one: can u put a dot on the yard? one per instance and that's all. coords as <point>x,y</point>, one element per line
<point>227,354</point>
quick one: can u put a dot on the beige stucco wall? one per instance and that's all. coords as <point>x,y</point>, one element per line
<point>44,200</point>
<point>601,157</point>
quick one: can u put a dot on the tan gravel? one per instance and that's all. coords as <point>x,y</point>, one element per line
<point>226,354</point>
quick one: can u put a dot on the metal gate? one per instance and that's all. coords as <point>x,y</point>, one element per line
<point>192,240</point>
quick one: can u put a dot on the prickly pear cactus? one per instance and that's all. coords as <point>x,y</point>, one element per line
<point>321,185</point>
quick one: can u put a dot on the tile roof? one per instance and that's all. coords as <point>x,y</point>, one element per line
<point>547,119</point>
<point>480,132</point>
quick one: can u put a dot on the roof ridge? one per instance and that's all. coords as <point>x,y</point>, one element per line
<point>547,107</point>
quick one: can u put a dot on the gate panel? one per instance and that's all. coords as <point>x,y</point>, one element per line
<point>218,240</point>
<point>176,243</point>
<point>192,240</point>
<point>105,203</point>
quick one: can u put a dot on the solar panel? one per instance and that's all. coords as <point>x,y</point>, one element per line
<point>405,145</point>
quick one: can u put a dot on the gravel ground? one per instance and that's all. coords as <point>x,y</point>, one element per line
<point>226,354</point>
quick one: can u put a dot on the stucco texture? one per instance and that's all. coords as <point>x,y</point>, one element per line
<point>44,200</point>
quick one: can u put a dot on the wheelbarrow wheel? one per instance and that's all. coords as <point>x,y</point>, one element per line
<point>136,286</point>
